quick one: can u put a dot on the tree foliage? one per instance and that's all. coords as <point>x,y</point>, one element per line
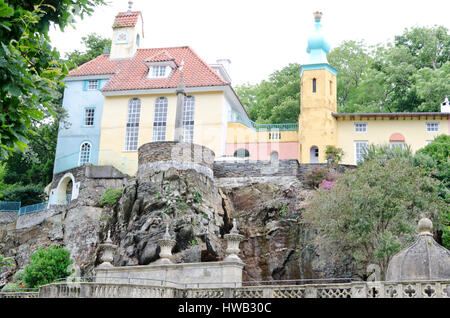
<point>371,212</point>
<point>29,66</point>
<point>46,265</point>
<point>95,46</point>
<point>410,74</point>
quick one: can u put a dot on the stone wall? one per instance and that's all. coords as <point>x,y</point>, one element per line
<point>8,217</point>
<point>160,156</point>
<point>206,275</point>
<point>240,169</point>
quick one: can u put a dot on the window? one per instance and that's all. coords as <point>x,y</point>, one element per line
<point>360,127</point>
<point>92,85</point>
<point>158,71</point>
<point>241,153</point>
<point>428,142</point>
<point>188,119</point>
<point>394,144</point>
<point>89,114</point>
<point>132,130</point>
<point>274,135</point>
<point>314,85</point>
<point>85,153</point>
<point>432,126</point>
<point>360,148</point>
<point>159,123</point>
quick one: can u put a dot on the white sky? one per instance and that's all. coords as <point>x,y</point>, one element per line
<point>258,36</point>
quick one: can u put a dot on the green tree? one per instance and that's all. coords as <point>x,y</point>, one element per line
<point>371,212</point>
<point>30,67</point>
<point>276,100</point>
<point>46,265</point>
<point>95,46</point>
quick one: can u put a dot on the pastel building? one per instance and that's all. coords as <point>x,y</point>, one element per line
<point>122,100</point>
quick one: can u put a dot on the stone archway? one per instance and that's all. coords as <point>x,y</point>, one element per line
<point>66,191</point>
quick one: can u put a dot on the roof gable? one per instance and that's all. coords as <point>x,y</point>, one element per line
<point>131,74</point>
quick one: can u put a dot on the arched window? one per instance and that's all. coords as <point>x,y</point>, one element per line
<point>160,119</point>
<point>188,119</point>
<point>85,153</point>
<point>241,153</point>
<point>314,83</point>
<point>132,132</point>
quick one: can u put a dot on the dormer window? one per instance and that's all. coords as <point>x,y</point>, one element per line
<point>122,37</point>
<point>159,71</point>
<point>160,65</point>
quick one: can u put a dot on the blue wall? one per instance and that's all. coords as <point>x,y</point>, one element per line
<point>70,137</point>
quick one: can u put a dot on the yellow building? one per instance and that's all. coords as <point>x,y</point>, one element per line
<point>122,100</point>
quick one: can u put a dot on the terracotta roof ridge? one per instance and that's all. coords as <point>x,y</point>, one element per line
<point>208,67</point>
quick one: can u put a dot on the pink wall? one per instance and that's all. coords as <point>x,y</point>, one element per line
<point>262,150</point>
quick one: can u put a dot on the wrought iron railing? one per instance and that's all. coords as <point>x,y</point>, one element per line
<point>9,206</point>
<point>266,127</point>
<point>33,208</point>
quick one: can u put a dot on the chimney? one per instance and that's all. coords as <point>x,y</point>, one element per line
<point>445,105</point>
<point>226,65</point>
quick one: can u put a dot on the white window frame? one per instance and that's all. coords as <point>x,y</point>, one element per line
<point>427,142</point>
<point>394,144</point>
<point>132,128</point>
<point>92,85</point>
<point>359,153</point>
<point>274,135</point>
<point>360,127</point>
<point>158,71</point>
<point>81,156</point>
<point>160,119</point>
<point>86,117</point>
<point>432,126</point>
<point>188,119</point>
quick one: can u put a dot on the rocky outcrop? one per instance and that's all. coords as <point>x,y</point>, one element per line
<point>277,244</point>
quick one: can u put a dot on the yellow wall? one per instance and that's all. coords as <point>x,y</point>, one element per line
<point>239,133</point>
<point>207,129</point>
<point>380,130</point>
<point>316,125</point>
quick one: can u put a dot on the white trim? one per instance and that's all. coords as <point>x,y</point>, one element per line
<point>354,148</point>
<point>87,77</point>
<point>162,91</point>
<point>90,148</point>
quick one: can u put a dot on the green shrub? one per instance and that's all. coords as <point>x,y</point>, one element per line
<point>46,265</point>
<point>27,195</point>
<point>10,288</point>
<point>110,197</point>
<point>18,276</point>
<point>333,154</point>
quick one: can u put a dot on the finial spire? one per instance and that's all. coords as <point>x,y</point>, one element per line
<point>318,16</point>
<point>130,5</point>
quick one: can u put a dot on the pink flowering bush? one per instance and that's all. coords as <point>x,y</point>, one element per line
<point>325,184</point>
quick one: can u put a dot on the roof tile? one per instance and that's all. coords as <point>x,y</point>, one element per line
<point>131,74</point>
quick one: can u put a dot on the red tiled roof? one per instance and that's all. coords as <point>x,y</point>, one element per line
<point>126,19</point>
<point>131,74</point>
<point>160,57</point>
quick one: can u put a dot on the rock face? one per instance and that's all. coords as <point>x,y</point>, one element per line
<point>186,200</point>
<point>199,210</point>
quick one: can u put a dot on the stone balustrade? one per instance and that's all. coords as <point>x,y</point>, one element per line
<point>410,289</point>
<point>20,295</point>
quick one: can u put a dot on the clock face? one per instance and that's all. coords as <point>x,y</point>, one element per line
<point>122,37</point>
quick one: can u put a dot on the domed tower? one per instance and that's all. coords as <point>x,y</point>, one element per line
<point>423,260</point>
<point>317,126</point>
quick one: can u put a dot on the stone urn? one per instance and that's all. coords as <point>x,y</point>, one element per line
<point>107,249</point>
<point>233,239</point>
<point>166,244</point>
